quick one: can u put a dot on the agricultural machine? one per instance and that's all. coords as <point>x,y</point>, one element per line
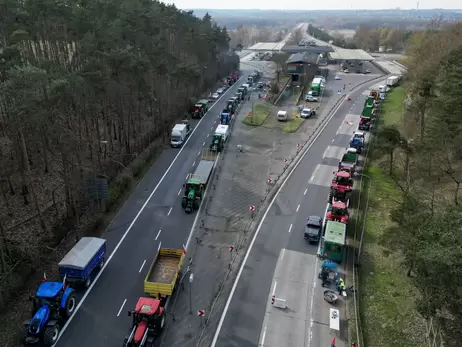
<point>341,186</point>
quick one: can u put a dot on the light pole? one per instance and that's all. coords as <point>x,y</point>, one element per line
<point>191,279</point>
<point>363,228</point>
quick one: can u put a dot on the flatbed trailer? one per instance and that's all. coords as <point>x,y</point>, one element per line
<point>163,273</point>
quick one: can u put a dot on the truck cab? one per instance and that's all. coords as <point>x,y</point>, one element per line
<point>365,123</point>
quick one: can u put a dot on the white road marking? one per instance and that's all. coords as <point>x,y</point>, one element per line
<point>333,140</point>
<point>179,192</point>
<point>290,228</point>
<point>160,244</point>
<point>208,135</point>
<point>314,174</point>
<point>282,253</point>
<point>203,143</point>
<point>194,163</point>
<point>88,291</point>
<point>274,288</point>
<point>263,337</point>
<point>142,265</point>
<point>169,211</point>
<point>187,176</point>
<point>158,233</point>
<point>211,128</point>
<point>199,153</point>
<point>249,249</point>
<point>298,207</point>
<point>121,307</point>
<point>305,191</point>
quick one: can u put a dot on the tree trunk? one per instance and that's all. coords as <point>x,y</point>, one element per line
<point>29,182</point>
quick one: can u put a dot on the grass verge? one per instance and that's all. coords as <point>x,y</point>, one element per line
<point>259,115</point>
<point>293,124</point>
<point>386,301</point>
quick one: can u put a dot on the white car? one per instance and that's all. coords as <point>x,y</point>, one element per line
<point>215,96</point>
<point>307,112</point>
<point>337,77</point>
<point>311,99</point>
<point>220,91</point>
<point>346,71</point>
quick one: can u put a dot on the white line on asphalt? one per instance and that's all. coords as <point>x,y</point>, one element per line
<point>282,253</point>
<point>211,128</point>
<point>290,228</point>
<point>305,191</point>
<point>194,163</point>
<point>142,265</point>
<point>263,337</point>
<point>116,248</point>
<point>169,211</point>
<point>121,307</point>
<point>314,173</point>
<point>298,207</point>
<point>333,140</point>
<point>179,192</point>
<point>208,135</point>
<point>158,233</point>
<point>274,288</point>
<point>203,144</point>
<point>215,122</point>
<point>160,244</point>
<point>249,249</point>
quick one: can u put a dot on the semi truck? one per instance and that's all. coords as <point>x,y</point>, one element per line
<point>148,317</point>
<point>317,85</point>
<point>196,183</point>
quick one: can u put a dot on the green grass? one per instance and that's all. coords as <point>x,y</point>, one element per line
<point>260,113</point>
<point>292,125</point>
<point>387,295</point>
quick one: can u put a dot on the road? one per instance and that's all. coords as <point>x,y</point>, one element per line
<point>281,263</point>
<point>152,216</point>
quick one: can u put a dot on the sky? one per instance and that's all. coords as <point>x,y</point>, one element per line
<point>316,5</point>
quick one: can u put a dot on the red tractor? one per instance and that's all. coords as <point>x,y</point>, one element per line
<point>148,322</point>
<point>341,186</point>
<point>338,212</point>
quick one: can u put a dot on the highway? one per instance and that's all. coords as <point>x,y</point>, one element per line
<point>279,262</point>
<point>151,217</point>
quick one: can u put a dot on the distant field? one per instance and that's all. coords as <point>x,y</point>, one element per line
<point>348,33</point>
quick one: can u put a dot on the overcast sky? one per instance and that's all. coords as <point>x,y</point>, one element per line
<point>315,5</point>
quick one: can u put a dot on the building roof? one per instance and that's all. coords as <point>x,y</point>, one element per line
<point>350,54</point>
<point>309,49</point>
<point>303,58</point>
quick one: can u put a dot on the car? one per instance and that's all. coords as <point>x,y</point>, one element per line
<point>220,90</point>
<point>346,70</point>
<point>310,98</point>
<point>215,96</point>
<point>367,71</point>
<point>358,71</point>
<point>313,229</point>
<point>307,112</point>
<point>337,77</point>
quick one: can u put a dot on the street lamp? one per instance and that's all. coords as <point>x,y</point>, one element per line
<point>191,279</point>
<point>363,228</point>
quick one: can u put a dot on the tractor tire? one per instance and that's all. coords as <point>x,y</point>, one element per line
<point>70,306</point>
<point>50,335</point>
<point>184,202</point>
<point>196,204</point>
<point>87,282</point>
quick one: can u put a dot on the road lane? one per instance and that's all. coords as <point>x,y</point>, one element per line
<point>253,289</point>
<point>154,205</point>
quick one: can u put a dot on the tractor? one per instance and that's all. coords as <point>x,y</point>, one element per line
<point>148,322</point>
<point>341,186</point>
<point>217,143</point>
<point>357,141</point>
<point>338,212</point>
<point>52,305</point>
<point>364,123</point>
<point>193,193</point>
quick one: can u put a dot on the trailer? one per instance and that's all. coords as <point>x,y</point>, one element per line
<point>148,317</point>
<point>349,160</point>
<point>392,81</point>
<point>196,183</point>
<point>80,265</point>
<point>334,241</point>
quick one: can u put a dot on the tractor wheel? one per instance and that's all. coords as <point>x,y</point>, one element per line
<point>69,308</point>
<point>25,333</point>
<point>51,334</point>
<point>196,203</point>
<point>184,202</point>
<point>87,282</point>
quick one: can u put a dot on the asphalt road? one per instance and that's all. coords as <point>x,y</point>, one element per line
<point>151,217</point>
<point>281,262</point>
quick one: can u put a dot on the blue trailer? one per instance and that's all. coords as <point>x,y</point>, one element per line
<point>83,261</point>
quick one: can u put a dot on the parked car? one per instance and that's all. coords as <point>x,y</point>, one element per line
<point>367,71</point>
<point>307,112</point>
<point>215,96</point>
<point>337,77</point>
<point>220,90</point>
<point>310,98</point>
<point>346,70</point>
<point>313,229</point>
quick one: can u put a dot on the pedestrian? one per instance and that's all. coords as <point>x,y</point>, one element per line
<point>341,286</point>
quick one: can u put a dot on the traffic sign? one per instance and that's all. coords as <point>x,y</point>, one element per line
<point>252,208</point>
<point>285,160</point>
<point>200,313</point>
<point>299,145</point>
<point>231,248</point>
<point>339,91</point>
<point>270,180</point>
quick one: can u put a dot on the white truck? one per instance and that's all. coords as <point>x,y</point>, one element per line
<point>392,81</point>
<point>180,133</point>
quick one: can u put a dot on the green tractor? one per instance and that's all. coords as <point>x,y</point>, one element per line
<point>193,193</point>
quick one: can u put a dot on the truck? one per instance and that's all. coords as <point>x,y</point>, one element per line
<point>148,317</point>
<point>317,85</point>
<point>80,265</point>
<point>196,183</point>
<point>368,111</point>
<point>220,137</point>
<point>334,241</point>
<point>392,81</point>
<point>349,160</point>
<point>180,133</point>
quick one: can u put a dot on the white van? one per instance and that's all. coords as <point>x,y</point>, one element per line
<point>179,134</point>
<point>282,116</point>
<point>223,131</point>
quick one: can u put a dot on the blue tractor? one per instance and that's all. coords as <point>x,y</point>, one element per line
<point>52,305</point>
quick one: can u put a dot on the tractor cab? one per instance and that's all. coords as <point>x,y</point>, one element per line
<point>199,111</point>
<point>343,179</point>
<point>357,141</point>
<point>364,123</point>
<point>338,212</point>
<point>341,186</point>
<point>217,143</point>
<point>240,96</point>
<point>148,322</point>
<point>359,135</point>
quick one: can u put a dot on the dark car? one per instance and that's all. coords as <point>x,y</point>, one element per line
<point>313,229</point>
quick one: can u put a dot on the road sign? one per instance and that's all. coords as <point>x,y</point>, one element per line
<point>339,91</point>
<point>285,160</point>
<point>231,248</point>
<point>252,208</point>
<point>299,145</point>
<point>270,180</point>
<point>200,313</point>
<point>184,249</point>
